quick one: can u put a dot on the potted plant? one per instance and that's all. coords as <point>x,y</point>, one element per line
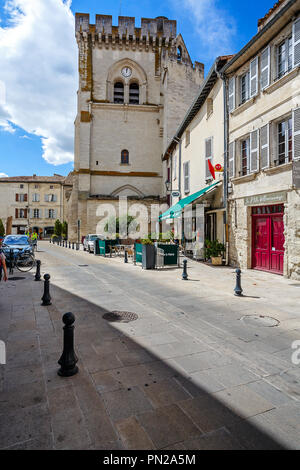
<point>214,250</point>
<point>148,254</point>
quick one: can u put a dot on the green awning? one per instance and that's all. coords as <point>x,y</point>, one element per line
<point>175,211</point>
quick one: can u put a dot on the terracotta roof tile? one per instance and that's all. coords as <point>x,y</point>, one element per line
<point>34,179</point>
<point>267,15</point>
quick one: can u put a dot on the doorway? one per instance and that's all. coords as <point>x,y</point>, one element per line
<point>268,238</point>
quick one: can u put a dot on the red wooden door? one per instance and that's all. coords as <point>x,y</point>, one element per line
<point>261,243</point>
<point>277,244</point>
<point>268,239</point>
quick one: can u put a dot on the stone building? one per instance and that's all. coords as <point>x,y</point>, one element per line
<point>199,140</point>
<point>264,145</point>
<point>135,85</point>
<point>34,202</point>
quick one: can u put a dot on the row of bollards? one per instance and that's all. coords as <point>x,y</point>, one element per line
<point>238,291</point>
<point>68,358</point>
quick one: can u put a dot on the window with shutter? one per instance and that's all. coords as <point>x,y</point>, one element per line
<point>208,156</point>
<point>264,147</point>
<point>231,94</point>
<point>17,197</point>
<point>254,77</point>
<point>296,43</point>
<point>17,214</point>
<point>25,197</point>
<point>244,87</point>
<point>231,159</point>
<point>245,156</point>
<point>186,174</point>
<point>254,150</point>
<point>296,134</point>
<point>265,68</point>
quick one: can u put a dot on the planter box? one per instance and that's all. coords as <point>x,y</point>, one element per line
<point>216,260</point>
<point>148,256</point>
<point>170,253</point>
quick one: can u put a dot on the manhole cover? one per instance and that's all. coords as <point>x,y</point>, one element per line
<point>16,278</point>
<point>260,320</point>
<point>121,317</point>
<point>83,265</point>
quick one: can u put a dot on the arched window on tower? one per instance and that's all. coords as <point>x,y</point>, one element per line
<point>125,157</point>
<point>134,93</point>
<point>179,53</point>
<point>119,92</point>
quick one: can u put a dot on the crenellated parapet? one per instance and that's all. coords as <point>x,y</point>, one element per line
<point>156,31</point>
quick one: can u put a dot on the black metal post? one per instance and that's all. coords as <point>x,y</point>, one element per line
<point>238,288</point>
<point>184,272</point>
<point>69,244</point>
<point>68,358</point>
<point>38,271</point>
<point>134,255</point>
<point>50,240</point>
<point>125,256</point>
<point>46,299</point>
<point>77,246</point>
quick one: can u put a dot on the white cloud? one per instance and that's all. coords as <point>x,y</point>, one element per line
<point>3,175</point>
<point>214,26</point>
<point>38,65</point>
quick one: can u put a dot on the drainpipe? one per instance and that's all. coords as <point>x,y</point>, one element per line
<point>178,141</point>
<point>225,179</point>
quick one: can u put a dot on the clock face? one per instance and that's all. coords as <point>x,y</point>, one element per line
<point>126,71</point>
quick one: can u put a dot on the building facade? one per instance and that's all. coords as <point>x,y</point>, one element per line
<point>34,202</point>
<point>194,161</point>
<point>135,84</point>
<point>263,82</point>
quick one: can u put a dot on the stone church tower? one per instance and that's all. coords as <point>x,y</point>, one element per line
<point>135,86</point>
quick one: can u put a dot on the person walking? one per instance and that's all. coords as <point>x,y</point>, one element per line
<point>3,267</point>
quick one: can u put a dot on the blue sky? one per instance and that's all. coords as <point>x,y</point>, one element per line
<point>38,66</point>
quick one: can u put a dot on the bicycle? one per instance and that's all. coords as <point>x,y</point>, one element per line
<point>21,260</point>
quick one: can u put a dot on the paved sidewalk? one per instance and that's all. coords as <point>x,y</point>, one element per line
<point>195,371</point>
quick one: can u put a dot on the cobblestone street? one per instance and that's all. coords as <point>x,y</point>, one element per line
<point>196,370</point>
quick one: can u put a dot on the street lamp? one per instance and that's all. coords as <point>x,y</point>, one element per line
<point>168,185</point>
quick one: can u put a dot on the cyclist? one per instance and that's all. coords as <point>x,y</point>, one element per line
<point>34,238</point>
<point>2,264</point>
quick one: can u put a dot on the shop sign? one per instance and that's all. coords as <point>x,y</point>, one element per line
<point>296,174</point>
<point>269,198</point>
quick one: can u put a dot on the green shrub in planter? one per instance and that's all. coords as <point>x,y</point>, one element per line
<point>213,249</point>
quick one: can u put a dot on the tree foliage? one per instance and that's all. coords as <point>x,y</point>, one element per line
<point>2,229</point>
<point>58,228</point>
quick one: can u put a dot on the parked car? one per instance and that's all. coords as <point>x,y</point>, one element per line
<point>17,243</point>
<point>88,243</point>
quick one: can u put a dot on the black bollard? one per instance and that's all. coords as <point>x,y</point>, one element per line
<point>125,256</point>
<point>110,251</point>
<point>50,240</point>
<point>238,288</point>
<point>73,246</point>
<point>38,271</point>
<point>69,244</point>
<point>68,358</point>
<point>134,255</point>
<point>46,299</point>
<point>77,246</point>
<point>184,272</point>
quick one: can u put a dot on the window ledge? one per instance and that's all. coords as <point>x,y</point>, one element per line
<point>243,107</point>
<point>125,164</point>
<point>244,178</point>
<point>278,168</point>
<point>282,81</point>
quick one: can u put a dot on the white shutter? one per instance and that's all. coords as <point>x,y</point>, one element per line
<point>46,197</point>
<point>208,156</point>
<point>253,77</point>
<point>55,214</point>
<point>296,134</point>
<point>54,198</point>
<point>254,151</point>
<point>265,68</point>
<point>186,172</point>
<point>231,94</point>
<point>231,160</point>
<point>46,213</point>
<point>265,146</point>
<point>29,213</point>
<point>296,43</point>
